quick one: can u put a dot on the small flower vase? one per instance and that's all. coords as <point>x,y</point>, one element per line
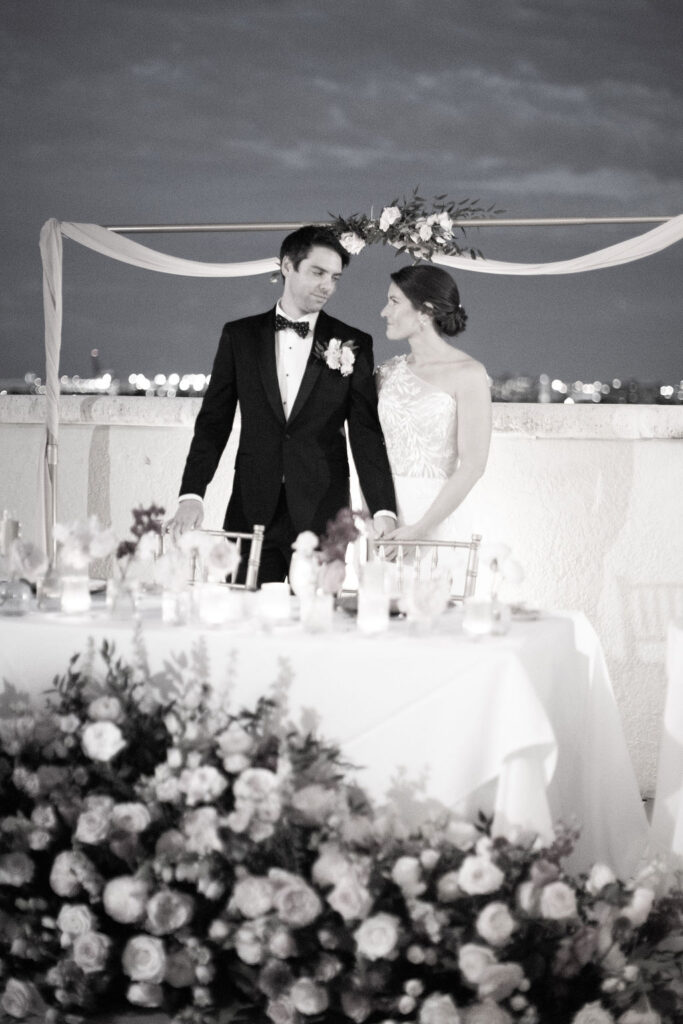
<point>49,591</point>
<point>485,617</point>
<point>75,596</point>
<point>317,610</point>
<point>15,596</point>
<point>303,574</point>
<point>175,607</point>
<point>123,598</point>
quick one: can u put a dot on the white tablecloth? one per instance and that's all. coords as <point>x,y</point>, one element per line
<point>524,725</point>
<point>667,815</point>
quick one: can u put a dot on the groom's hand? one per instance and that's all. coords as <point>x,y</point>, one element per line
<point>189,516</point>
<point>383,525</point>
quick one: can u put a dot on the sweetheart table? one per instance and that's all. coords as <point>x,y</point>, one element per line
<point>524,726</point>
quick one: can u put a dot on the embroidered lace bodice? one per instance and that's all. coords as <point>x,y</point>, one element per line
<point>418,421</point>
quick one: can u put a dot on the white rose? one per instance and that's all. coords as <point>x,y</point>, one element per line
<point>168,910</point>
<point>438,1009</point>
<point>281,944</point>
<point>93,825</point>
<point>593,1013</point>
<point>349,898</point>
<point>90,951</point>
<point>499,981</point>
<point>429,859</point>
<point>202,785</point>
<point>102,741</point>
<point>425,231</point>
<point>308,997</point>
<point>143,993</point>
<point>248,945</point>
<point>69,872</point>
<point>330,865</point>
<point>352,242</point>
<point>240,819</point>
<point>297,905</point>
<point>447,888</point>
<point>389,216</point>
<point>16,869</point>
<point>638,910</point>
<point>445,223</point>
<point>144,959</point>
<point>306,542</point>
<point>495,924</point>
<point>125,899</point>
<point>461,834</point>
<point>473,961</point>
<point>234,744</point>
<point>18,999</point>
<point>558,901</point>
<point>76,919</point>
<point>131,817</point>
<point>200,828</point>
<point>376,938</point>
<point>600,876</point>
<point>478,875</point>
<point>348,358</point>
<point>487,1012</point>
<point>255,784</point>
<point>105,709</point>
<point>253,896</point>
<point>407,874</point>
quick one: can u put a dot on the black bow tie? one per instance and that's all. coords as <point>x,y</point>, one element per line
<point>302,327</point>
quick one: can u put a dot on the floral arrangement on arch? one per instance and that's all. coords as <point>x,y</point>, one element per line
<point>162,849</point>
<point>410,226</point>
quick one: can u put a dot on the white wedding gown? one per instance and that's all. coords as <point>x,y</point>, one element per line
<point>419,422</point>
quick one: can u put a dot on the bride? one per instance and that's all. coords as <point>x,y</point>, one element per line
<point>434,405</point>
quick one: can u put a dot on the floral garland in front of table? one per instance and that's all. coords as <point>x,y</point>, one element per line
<point>162,849</point>
<point>411,227</point>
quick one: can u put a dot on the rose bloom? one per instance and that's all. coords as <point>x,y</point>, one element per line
<point>295,902</point>
<point>248,945</point>
<point>438,1009</point>
<point>171,844</point>
<point>638,910</point>
<point>600,876</point>
<point>143,993</point>
<point>69,872</point>
<point>105,709</point>
<point>558,901</point>
<point>144,959</point>
<point>39,839</point>
<point>407,874</point>
<point>308,997</point>
<point>253,896</point>
<point>179,970</point>
<point>499,981</point>
<point>202,785</point>
<point>495,923</point>
<point>43,816</point>
<point>76,919</point>
<point>200,828</point>
<point>254,784</point>
<point>349,898</point>
<point>102,741</point>
<point>93,826</point>
<point>330,865</point>
<point>234,744</point>
<point>473,961</point>
<point>315,803</point>
<point>281,944</point>
<point>16,869</point>
<point>447,888</point>
<point>593,1013</point>
<point>377,937</point>
<point>478,875</point>
<point>90,951</point>
<point>125,899</point>
<point>352,242</point>
<point>281,1011</point>
<point>356,1005</point>
<point>130,817</point>
<point>17,999</point>
<point>487,1012</point>
<point>167,911</point>
<point>348,358</point>
<point>389,216</point>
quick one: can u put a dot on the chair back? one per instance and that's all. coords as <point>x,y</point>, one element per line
<point>426,557</point>
<point>255,539</point>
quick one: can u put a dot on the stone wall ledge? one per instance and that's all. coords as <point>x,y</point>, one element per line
<point>516,419</point>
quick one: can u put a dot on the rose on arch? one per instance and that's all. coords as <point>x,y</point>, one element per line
<point>377,937</point>
<point>168,910</point>
<point>90,951</point>
<point>125,899</point>
<point>352,242</point>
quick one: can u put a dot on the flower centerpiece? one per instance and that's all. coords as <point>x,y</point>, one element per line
<point>27,564</point>
<point>162,849</point>
<point>410,226</point>
<point>131,556</point>
<point>318,567</point>
<point>78,544</point>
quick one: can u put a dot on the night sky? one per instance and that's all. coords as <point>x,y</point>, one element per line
<point>162,111</point>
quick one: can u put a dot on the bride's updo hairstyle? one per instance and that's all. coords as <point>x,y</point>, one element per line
<point>433,291</point>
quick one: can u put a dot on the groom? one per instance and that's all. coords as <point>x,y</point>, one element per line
<point>295,394</point>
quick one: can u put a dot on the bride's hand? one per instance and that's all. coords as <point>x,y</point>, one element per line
<point>410,532</point>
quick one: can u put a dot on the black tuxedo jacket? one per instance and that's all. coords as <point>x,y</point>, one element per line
<point>307,450</point>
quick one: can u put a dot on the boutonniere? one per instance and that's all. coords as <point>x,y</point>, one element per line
<point>337,355</point>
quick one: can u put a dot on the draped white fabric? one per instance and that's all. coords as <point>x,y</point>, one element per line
<point>117,247</point>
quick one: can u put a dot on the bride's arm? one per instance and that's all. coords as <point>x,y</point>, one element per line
<point>473,396</point>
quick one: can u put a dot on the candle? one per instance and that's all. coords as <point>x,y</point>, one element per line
<point>75,597</point>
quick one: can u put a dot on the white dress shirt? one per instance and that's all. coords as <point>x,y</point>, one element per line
<point>291,356</point>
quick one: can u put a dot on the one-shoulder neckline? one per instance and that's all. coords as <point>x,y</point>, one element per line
<point>427,384</point>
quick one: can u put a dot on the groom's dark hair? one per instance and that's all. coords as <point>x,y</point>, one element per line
<point>298,245</point>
